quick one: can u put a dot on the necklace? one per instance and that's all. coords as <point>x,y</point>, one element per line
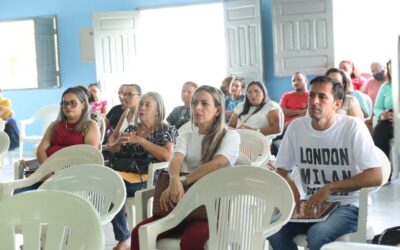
<point>69,126</point>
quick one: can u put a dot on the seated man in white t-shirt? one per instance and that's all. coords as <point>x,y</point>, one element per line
<point>325,146</point>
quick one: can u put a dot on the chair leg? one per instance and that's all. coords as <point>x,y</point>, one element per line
<point>21,149</point>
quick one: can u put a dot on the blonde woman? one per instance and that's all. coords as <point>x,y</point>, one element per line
<point>208,147</point>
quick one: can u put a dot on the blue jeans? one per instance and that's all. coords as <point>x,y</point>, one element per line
<point>342,221</point>
<point>120,226</point>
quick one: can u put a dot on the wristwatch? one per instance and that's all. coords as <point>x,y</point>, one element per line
<point>183,181</point>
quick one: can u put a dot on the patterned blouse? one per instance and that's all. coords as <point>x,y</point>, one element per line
<point>160,136</point>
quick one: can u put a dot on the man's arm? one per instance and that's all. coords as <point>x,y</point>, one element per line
<point>293,112</point>
<point>285,174</point>
<point>368,178</point>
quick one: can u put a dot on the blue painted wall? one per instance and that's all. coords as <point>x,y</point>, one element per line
<point>74,15</point>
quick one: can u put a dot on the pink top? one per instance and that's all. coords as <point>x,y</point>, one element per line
<point>64,136</point>
<point>372,88</point>
<point>292,100</point>
<point>99,106</point>
<point>358,82</point>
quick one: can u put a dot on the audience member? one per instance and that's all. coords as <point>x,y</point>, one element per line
<point>350,105</point>
<point>130,98</point>
<point>294,103</point>
<point>372,87</point>
<point>235,97</point>
<point>114,115</point>
<point>357,79</point>
<point>181,114</point>
<point>323,178</point>
<point>258,112</point>
<point>148,140</point>
<point>363,99</point>
<point>99,105</point>
<point>383,110</point>
<point>225,86</point>
<point>208,147</point>
<point>98,118</point>
<point>73,125</point>
<point>11,128</point>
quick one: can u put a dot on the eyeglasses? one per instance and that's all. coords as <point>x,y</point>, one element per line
<point>71,103</point>
<point>128,95</point>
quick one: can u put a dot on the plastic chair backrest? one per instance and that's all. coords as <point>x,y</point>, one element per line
<point>134,209</point>
<point>64,158</point>
<point>4,143</point>
<point>254,146</point>
<point>70,222</point>
<point>2,124</point>
<point>100,185</point>
<point>102,129</point>
<point>47,114</point>
<point>240,203</point>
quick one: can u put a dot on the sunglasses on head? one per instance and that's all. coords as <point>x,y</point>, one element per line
<point>71,103</point>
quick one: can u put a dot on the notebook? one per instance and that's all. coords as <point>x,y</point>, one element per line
<point>326,209</point>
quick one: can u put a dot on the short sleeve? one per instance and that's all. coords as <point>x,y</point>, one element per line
<point>230,146</point>
<point>181,145</point>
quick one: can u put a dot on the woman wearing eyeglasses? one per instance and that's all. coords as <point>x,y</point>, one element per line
<point>129,97</point>
<point>73,125</point>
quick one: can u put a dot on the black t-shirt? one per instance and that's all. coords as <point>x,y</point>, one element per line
<point>114,115</point>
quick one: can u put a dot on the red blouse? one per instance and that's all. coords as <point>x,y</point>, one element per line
<point>64,135</point>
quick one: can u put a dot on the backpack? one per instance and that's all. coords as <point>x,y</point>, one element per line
<point>390,236</point>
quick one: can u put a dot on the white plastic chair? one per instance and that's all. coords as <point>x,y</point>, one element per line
<point>356,246</point>
<point>254,146</point>
<point>71,222</point>
<point>361,234</point>
<point>4,145</point>
<point>46,114</point>
<point>100,185</point>
<point>134,208</point>
<point>64,158</point>
<point>240,203</point>
<point>2,124</point>
<point>102,129</point>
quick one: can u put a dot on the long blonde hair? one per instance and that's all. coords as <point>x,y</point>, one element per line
<point>212,140</point>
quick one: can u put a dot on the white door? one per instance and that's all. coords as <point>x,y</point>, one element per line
<point>115,50</point>
<point>244,39</point>
<point>303,36</point>
<point>46,57</point>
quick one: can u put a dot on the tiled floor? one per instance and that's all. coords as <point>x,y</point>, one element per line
<point>383,213</point>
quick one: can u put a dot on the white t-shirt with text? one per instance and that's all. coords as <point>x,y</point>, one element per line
<point>337,153</point>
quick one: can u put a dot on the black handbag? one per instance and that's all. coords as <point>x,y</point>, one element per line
<point>126,162</point>
<point>390,236</point>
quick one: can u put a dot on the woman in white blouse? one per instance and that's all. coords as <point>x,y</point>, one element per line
<point>258,112</point>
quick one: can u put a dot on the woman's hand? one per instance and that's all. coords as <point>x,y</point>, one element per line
<point>244,126</point>
<point>131,138</point>
<point>172,195</point>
